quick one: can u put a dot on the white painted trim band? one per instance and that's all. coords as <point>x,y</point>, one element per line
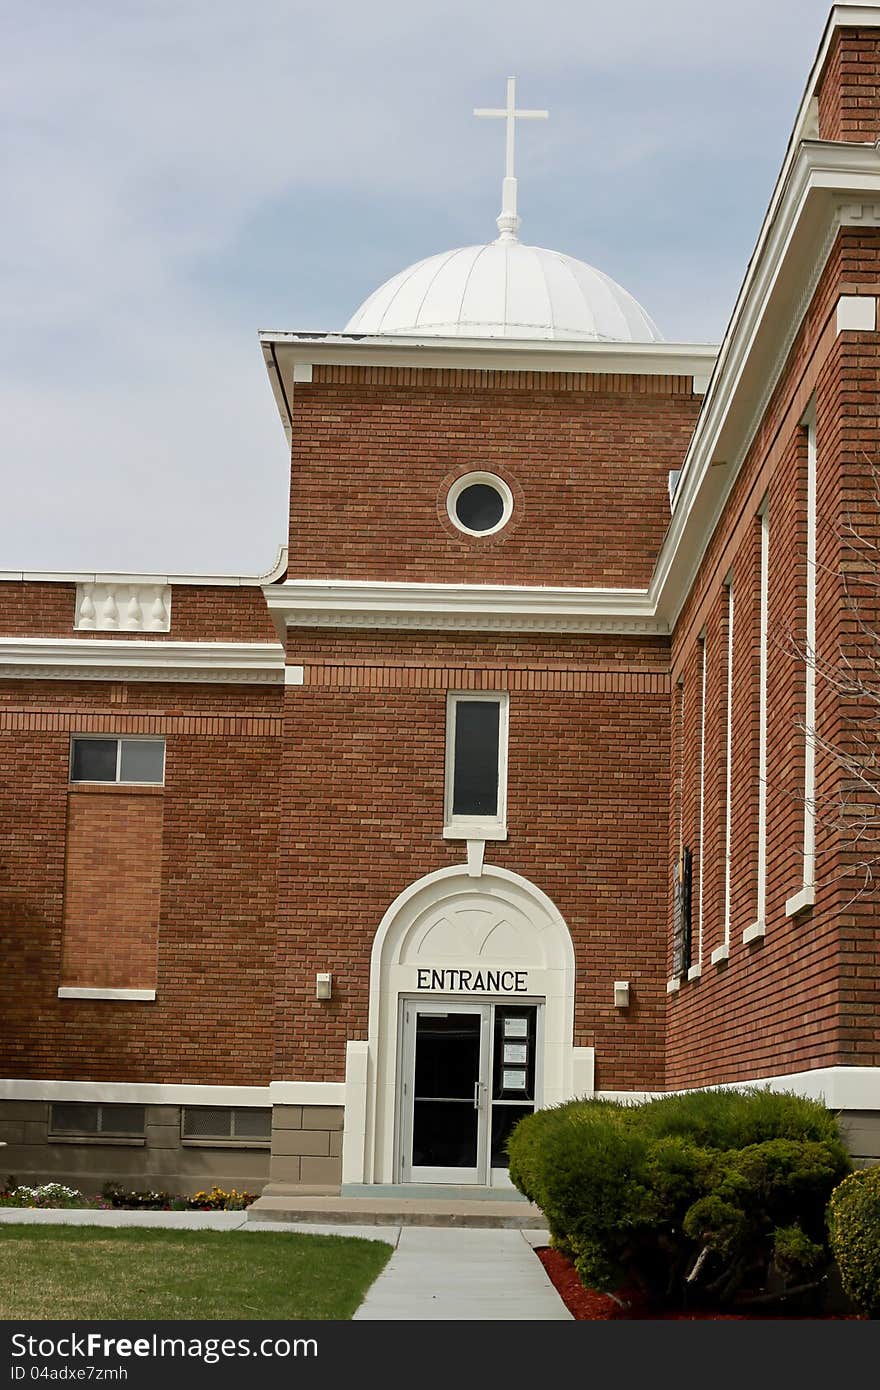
<point>839,1088</point>
<point>93,658</point>
<point>307,1092</point>
<point>173,1093</point>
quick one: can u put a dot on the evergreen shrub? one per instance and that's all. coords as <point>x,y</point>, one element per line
<point>854,1230</point>
<point>720,1193</point>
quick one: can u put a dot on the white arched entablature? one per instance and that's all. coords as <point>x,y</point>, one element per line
<point>489,935</point>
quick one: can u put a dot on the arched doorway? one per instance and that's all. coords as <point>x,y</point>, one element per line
<point>466,971</point>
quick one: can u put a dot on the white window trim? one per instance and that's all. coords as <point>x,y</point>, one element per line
<point>476,827</point>
<point>105,738</point>
<point>722,952</point>
<point>758,928</point>
<point>488,480</point>
<point>695,969</point>
<point>806,896</point>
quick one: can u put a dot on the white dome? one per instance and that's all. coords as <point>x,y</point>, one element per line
<point>505,290</point>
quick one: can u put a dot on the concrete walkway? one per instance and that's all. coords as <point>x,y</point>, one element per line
<point>463,1274</point>
<point>436,1273</point>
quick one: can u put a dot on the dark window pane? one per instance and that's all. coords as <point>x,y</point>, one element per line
<point>444,1134</point>
<point>207,1122</point>
<point>122,1119</point>
<point>475,778</point>
<point>143,760</point>
<point>504,1117</point>
<point>253,1124</point>
<point>514,1051</point>
<point>479,507</point>
<point>94,760</point>
<point>447,1056</point>
<point>73,1118</point>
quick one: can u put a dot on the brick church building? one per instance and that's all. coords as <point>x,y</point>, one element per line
<point>527,772</point>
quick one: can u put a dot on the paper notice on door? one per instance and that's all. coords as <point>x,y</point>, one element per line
<point>514,1080</point>
<point>516,1027</point>
<point>515,1052</point>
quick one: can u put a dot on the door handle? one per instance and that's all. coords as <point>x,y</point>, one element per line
<point>478,1086</point>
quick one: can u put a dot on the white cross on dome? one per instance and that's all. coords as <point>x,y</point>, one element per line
<point>508,221</point>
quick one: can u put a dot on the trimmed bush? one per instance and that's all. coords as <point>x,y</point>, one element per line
<point>854,1231</point>
<point>719,1192</point>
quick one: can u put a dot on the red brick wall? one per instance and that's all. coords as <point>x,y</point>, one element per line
<point>212,1020</point>
<point>805,996</point>
<point>376,450</point>
<point>362,788</point>
<point>849,88</point>
<point>198,613</point>
<point>112,887</point>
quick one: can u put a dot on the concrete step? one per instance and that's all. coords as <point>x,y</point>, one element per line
<point>399,1211</point>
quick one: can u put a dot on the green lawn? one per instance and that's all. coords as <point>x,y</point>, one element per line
<point>95,1272</point>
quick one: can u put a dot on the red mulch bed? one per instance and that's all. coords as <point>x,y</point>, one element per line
<point>586,1305</point>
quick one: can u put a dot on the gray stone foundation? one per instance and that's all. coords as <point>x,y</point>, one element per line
<point>159,1160</point>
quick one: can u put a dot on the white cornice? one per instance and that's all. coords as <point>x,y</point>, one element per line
<point>288,355</point>
<point>827,186</point>
<point>225,581</point>
<point>85,658</point>
<point>459,607</point>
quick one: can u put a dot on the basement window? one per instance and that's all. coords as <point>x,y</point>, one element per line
<point>476,767</point>
<point>81,1120</point>
<point>126,760</point>
<point>243,1126</point>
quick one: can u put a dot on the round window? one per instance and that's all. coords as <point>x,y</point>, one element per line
<point>479,504</point>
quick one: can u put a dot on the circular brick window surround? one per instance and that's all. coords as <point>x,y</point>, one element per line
<point>479,504</point>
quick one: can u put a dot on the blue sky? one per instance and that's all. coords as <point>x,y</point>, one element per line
<point>183,173</point>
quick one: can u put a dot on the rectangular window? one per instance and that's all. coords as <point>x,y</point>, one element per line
<point>83,1120</point>
<point>225,1124</point>
<point>128,760</point>
<point>476,767</point>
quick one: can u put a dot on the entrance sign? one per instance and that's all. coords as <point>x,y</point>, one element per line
<point>474,981</point>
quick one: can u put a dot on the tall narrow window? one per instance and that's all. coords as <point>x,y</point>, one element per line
<point>758,927</point>
<point>476,767</point>
<point>722,952</point>
<point>807,895</point>
<point>696,968</point>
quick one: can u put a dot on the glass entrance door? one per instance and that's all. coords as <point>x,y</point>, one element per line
<point>467,1075</point>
